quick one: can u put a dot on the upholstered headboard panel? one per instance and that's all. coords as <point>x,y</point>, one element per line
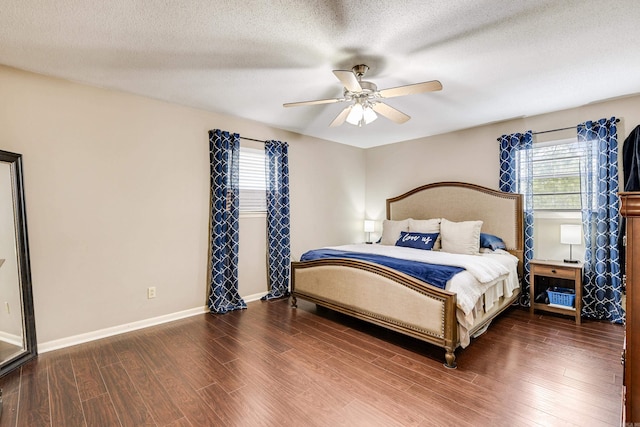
<point>502,213</point>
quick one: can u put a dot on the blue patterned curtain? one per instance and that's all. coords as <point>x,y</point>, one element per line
<point>278,218</point>
<point>224,149</point>
<point>516,177</point>
<point>600,219</point>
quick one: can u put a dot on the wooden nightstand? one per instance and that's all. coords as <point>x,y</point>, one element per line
<point>546,274</point>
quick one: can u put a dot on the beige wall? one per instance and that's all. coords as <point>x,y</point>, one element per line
<point>472,156</point>
<point>117,195</point>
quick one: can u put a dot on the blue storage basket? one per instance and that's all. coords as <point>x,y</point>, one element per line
<point>561,296</point>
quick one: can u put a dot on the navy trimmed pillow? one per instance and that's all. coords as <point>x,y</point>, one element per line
<point>492,242</point>
<point>423,241</point>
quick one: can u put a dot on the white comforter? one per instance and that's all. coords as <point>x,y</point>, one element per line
<point>487,276</point>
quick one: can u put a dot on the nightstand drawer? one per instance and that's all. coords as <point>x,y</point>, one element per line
<point>552,271</point>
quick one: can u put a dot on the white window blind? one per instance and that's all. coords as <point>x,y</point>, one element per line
<point>253,182</point>
<point>556,169</point>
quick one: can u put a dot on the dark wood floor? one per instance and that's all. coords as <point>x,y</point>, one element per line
<point>271,365</point>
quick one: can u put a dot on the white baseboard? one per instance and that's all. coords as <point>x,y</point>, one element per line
<point>121,329</point>
<point>115,330</point>
<point>254,297</point>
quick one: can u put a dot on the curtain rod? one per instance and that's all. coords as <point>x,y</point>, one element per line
<point>553,130</point>
<point>251,139</point>
<point>556,130</point>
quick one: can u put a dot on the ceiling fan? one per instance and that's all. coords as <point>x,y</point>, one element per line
<point>367,99</point>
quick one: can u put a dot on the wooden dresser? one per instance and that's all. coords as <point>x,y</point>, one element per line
<point>630,209</point>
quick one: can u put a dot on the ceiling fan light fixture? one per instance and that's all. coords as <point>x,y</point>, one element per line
<point>360,114</point>
<point>368,114</point>
<point>355,114</point>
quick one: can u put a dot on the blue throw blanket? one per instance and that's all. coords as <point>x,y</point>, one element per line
<point>434,274</point>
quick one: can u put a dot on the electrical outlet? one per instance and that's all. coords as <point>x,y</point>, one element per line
<point>151,292</point>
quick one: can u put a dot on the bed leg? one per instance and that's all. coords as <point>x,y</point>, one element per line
<point>294,301</point>
<point>450,358</point>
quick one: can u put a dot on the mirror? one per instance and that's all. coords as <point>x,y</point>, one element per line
<point>17,321</point>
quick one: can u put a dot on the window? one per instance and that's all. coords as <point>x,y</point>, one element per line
<point>253,183</point>
<point>556,168</point>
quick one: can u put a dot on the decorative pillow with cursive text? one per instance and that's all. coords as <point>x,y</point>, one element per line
<point>423,241</point>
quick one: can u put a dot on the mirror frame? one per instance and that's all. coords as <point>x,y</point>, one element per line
<point>24,265</point>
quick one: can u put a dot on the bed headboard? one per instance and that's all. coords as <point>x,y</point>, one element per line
<point>501,213</point>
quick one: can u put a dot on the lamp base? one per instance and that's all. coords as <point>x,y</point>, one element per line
<point>572,261</point>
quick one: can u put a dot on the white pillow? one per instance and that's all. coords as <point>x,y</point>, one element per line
<point>391,231</point>
<point>426,226</point>
<point>460,237</point>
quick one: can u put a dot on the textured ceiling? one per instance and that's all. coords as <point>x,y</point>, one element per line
<point>496,59</point>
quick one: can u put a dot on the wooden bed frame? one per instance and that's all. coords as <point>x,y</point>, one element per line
<point>396,301</point>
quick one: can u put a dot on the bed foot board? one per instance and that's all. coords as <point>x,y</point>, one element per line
<point>450,358</point>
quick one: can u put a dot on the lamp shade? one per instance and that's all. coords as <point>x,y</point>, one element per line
<point>355,114</point>
<point>369,115</point>
<point>571,234</point>
<point>369,226</point>
<point>360,114</point>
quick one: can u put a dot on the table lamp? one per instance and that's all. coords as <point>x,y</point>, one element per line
<point>571,234</point>
<point>369,227</point>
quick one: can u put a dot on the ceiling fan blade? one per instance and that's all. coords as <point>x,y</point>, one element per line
<point>349,80</point>
<point>340,118</point>
<point>390,112</point>
<point>431,86</point>
<point>316,102</point>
